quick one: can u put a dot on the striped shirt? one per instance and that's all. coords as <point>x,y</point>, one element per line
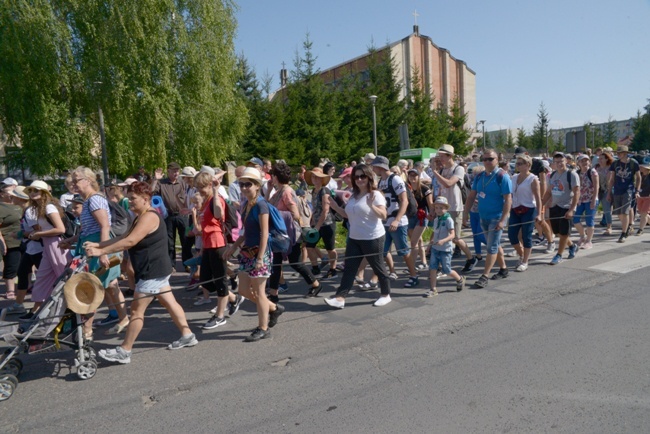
<point>89,225</point>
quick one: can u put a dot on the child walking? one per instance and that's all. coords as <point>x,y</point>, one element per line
<point>441,247</point>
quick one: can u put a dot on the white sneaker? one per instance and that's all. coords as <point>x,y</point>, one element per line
<point>335,303</point>
<point>214,310</point>
<point>382,301</point>
<point>392,276</point>
<point>550,248</point>
<point>522,267</point>
<point>201,301</point>
<point>511,254</point>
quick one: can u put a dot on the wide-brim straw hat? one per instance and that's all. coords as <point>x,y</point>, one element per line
<point>252,174</point>
<point>318,172</point>
<point>19,192</point>
<point>37,185</point>
<point>83,293</point>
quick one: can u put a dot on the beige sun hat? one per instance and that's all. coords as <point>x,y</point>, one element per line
<point>317,172</point>
<point>83,293</point>
<point>37,185</point>
<point>252,174</point>
<point>188,171</point>
<point>19,192</point>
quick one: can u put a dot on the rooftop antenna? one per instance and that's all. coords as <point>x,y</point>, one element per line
<point>416,29</point>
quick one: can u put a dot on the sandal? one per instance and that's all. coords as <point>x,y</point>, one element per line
<point>117,329</point>
<point>313,291</point>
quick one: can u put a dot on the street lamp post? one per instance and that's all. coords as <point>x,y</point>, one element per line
<point>102,139</point>
<point>593,137</point>
<point>373,99</point>
<point>482,122</point>
<point>545,134</point>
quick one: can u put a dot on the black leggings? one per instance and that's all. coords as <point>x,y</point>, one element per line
<point>25,267</point>
<point>355,251</point>
<point>213,266</point>
<point>296,264</point>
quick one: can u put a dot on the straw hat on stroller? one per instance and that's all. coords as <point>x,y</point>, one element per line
<point>83,293</point>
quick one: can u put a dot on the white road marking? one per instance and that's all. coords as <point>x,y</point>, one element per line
<point>626,264</point>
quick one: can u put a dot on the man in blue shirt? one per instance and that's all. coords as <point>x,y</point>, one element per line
<point>494,191</point>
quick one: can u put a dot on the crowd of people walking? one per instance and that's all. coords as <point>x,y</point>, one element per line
<point>227,236</point>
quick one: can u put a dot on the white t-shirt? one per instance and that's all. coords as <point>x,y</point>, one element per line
<point>32,247</point>
<point>364,223</point>
<point>453,193</point>
<point>392,206</point>
<point>42,221</point>
<point>333,185</point>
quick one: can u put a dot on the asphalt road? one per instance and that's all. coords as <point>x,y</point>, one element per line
<point>554,349</point>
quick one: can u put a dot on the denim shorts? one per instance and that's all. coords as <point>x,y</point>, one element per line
<point>585,209</point>
<point>414,222</point>
<point>492,236</point>
<point>442,259</point>
<point>400,238</point>
<point>152,286</point>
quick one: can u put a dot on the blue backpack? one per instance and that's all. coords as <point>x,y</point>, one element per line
<point>278,237</point>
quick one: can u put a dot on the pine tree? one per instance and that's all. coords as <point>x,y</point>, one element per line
<point>310,119</point>
<point>540,130</point>
<point>609,132</point>
<point>458,134</point>
<point>641,140</point>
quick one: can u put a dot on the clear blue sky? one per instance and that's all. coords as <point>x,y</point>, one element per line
<point>586,60</point>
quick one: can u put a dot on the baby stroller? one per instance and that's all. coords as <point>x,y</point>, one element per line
<point>56,325</point>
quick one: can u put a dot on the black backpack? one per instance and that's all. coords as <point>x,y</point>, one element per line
<point>68,223</point>
<point>120,219</point>
<point>412,207</point>
<point>339,201</point>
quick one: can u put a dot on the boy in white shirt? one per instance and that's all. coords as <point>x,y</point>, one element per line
<point>441,247</point>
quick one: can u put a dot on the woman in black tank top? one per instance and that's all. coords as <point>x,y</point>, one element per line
<point>147,245</point>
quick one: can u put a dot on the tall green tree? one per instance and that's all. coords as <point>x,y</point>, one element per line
<point>163,72</point>
<point>310,118</point>
<point>641,129</point>
<point>458,134</point>
<point>523,139</point>
<point>390,109</point>
<point>540,130</point>
<point>609,131</point>
<point>424,131</point>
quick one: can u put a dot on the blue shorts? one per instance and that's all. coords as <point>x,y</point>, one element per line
<point>414,221</point>
<point>585,209</point>
<point>442,259</point>
<point>400,238</point>
<point>492,236</point>
<point>152,286</point>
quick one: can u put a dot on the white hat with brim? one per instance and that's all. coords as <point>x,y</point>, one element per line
<point>37,185</point>
<point>441,200</point>
<point>127,182</point>
<point>219,172</point>
<point>19,192</point>
<point>188,172</point>
<point>318,173</point>
<point>645,166</point>
<point>207,169</point>
<point>446,149</point>
<point>83,293</point>
<point>252,174</point>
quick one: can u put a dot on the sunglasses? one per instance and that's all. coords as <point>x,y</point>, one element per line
<point>488,158</point>
<point>521,163</point>
<point>245,184</point>
<point>362,176</point>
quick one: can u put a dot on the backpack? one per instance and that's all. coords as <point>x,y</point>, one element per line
<point>120,218</point>
<point>304,210</point>
<point>412,207</point>
<point>464,189</point>
<point>279,240</point>
<point>230,218</point>
<point>339,201</point>
<point>499,175</point>
<point>68,223</point>
<point>568,176</point>
<point>590,174</point>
